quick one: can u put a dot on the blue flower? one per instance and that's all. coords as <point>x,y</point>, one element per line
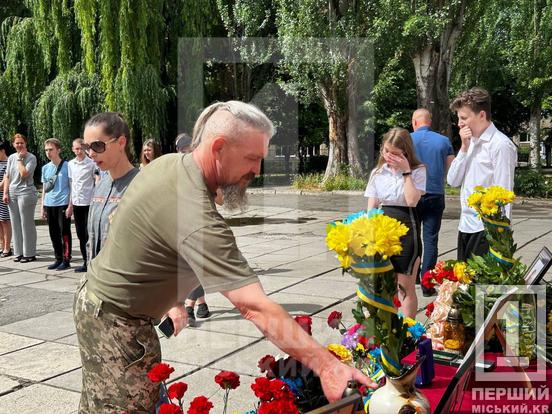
<point>417,330</point>
<point>376,353</point>
<point>353,216</point>
<point>374,212</point>
<point>295,385</point>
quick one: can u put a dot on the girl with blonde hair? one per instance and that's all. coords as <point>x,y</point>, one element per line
<point>396,185</point>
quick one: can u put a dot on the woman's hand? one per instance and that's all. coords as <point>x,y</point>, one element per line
<point>6,199</point>
<point>399,162</point>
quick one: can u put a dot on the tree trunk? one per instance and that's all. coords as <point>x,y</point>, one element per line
<point>337,134</point>
<point>432,65</point>
<point>534,135</point>
<point>356,163</point>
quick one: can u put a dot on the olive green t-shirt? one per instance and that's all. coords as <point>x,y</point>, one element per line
<point>166,237</point>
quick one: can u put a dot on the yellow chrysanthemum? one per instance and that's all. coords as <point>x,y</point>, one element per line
<point>377,235</point>
<point>488,201</point>
<point>549,325</point>
<point>343,353</point>
<point>360,347</point>
<point>409,321</point>
<point>345,260</point>
<point>338,238</point>
<point>462,273</point>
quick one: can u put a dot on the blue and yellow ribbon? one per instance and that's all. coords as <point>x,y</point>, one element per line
<point>503,224</point>
<point>389,363</point>
<point>501,259</point>
<point>372,268</point>
<point>375,301</point>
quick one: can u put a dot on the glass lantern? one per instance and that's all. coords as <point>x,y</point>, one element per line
<point>454,337</point>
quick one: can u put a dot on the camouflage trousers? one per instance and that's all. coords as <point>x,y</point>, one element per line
<point>116,354</point>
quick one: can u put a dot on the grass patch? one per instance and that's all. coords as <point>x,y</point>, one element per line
<point>452,191</point>
<point>313,182</point>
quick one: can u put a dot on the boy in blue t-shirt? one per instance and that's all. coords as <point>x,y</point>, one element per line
<point>56,204</point>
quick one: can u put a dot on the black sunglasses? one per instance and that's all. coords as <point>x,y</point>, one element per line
<point>96,146</point>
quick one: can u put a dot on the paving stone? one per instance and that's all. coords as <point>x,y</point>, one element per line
<point>198,347</point>
<point>71,381</point>
<point>7,384</point>
<point>10,342</point>
<point>318,287</point>
<point>22,278</point>
<point>50,326</point>
<point>68,340</point>
<point>301,304</point>
<point>233,319</point>
<point>41,361</point>
<point>62,284</point>
<point>41,399</point>
<point>24,302</point>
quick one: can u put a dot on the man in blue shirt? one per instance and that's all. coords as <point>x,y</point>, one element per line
<point>435,151</point>
<point>56,204</point>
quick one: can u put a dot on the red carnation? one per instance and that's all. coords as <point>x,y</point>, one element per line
<point>280,390</point>
<point>169,409</point>
<point>305,322</point>
<point>429,309</point>
<point>266,363</point>
<point>334,319</point>
<point>363,341</point>
<point>227,380</point>
<point>177,390</point>
<point>396,301</point>
<point>160,372</point>
<point>200,405</point>
<point>427,280</point>
<point>278,407</point>
<point>261,388</point>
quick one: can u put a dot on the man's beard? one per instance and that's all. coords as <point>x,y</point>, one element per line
<point>235,197</point>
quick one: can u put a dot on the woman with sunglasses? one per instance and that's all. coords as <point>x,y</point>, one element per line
<point>106,137</point>
<point>21,196</point>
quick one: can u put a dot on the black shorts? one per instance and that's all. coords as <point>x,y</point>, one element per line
<point>411,242</point>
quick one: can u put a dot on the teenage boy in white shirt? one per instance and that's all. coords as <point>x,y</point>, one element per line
<point>487,157</point>
<point>82,174</point>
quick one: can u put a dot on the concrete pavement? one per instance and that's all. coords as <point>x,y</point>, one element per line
<point>282,236</point>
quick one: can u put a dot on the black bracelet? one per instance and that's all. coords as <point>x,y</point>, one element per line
<point>407,173</point>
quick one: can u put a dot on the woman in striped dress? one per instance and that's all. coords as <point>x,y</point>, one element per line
<point>5,223</point>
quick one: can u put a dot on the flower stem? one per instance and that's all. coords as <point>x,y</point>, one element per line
<point>225,400</point>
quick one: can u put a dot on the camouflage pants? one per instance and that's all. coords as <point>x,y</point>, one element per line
<point>116,355</point>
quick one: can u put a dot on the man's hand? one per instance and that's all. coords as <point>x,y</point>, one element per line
<point>43,213</point>
<point>465,136</point>
<point>179,318</point>
<point>334,380</point>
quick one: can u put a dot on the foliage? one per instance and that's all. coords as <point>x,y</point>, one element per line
<point>66,101</point>
<point>498,267</point>
<point>315,182</point>
<point>532,183</point>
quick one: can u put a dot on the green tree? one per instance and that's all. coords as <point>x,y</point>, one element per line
<point>430,30</point>
<point>330,74</point>
<point>529,54</point>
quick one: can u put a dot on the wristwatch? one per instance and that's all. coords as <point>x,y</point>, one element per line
<point>407,173</point>
<point>21,159</point>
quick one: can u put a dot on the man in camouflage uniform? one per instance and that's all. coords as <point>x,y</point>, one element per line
<point>166,239</point>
